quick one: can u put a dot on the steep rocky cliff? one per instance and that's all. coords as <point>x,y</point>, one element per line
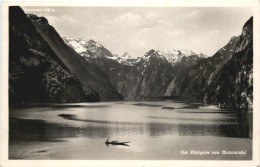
<point>158,69</point>
<point>195,79</point>
<point>225,79</point>
<point>36,74</point>
<point>233,85</point>
<point>88,73</point>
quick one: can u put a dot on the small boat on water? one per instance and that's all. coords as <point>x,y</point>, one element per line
<point>117,143</point>
<point>168,108</point>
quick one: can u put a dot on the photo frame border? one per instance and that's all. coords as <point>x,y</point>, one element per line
<point>134,3</point>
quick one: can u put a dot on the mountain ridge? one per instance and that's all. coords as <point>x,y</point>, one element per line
<point>89,74</point>
<point>131,76</point>
<point>82,46</point>
<point>36,74</point>
<point>233,85</point>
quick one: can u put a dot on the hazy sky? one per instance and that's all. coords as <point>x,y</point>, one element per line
<point>139,29</point>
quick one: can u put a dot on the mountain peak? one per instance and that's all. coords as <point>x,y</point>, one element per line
<point>93,43</point>
<point>126,55</point>
<point>35,18</point>
<point>84,47</point>
<point>77,45</point>
<point>234,37</point>
<point>173,56</point>
<point>150,52</point>
<point>249,22</point>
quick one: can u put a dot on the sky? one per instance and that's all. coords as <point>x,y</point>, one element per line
<point>137,30</point>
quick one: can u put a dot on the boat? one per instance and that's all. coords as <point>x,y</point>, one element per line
<point>168,108</point>
<point>117,143</point>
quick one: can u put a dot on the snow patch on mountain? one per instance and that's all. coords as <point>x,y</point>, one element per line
<point>93,49</point>
<point>172,56</point>
<point>127,59</point>
<point>78,45</point>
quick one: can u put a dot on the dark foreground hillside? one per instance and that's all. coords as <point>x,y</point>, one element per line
<point>88,73</point>
<point>36,74</point>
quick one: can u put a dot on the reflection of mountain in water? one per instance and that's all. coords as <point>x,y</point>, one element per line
<point>237,126</point>
<point>240,128</point>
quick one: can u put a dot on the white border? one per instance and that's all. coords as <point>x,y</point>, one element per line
<point>134,3</point>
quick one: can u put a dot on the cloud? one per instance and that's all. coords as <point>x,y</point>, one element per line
<point>102,27</point>
<point>176,33</point>
<point>141,43</point>
<point>193,13</point>
<point>131,19</point>
<point>128,17</point>
<point>61,20</point>
<point>143,30</point>
<point>152,15</point>
<point>70,19</point>
<point>109,36</point>
<point>196,41</point>
<point>214,32</point>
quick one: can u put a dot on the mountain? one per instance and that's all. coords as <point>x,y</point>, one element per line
<point>88,73</point>
<point>233,85</point>
<point>126,56</point>
<point>196,78</point>
<point>159,68</point>
<point>147,76</point>
<point>121,70</point>
<point>127,59</point>
<point>176,56</point>
<point>88,48</point>
<point>92,49</point>
<point>36,74</point>
<point>226,78</point>
<point>156,73</point>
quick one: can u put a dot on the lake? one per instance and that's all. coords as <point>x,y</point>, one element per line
<point>157,130</point>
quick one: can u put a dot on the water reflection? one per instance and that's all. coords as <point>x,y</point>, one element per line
<point>190,120</point>
<point>83,128</point>
<point>244,124</point>
<point>38,130</point>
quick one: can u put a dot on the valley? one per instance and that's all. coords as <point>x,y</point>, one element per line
<point>101,75</point>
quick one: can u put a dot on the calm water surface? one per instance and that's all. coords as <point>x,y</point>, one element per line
<point>78,131</point>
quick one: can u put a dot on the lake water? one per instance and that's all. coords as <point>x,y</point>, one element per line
<point>78,131</point>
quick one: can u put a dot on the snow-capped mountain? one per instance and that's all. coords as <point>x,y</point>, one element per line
<point>152,72</point>
<point>93,49</point>
<point>127,59</point>
<point>78,45</point>
<point>88,48</point>
<point>173,56</point>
